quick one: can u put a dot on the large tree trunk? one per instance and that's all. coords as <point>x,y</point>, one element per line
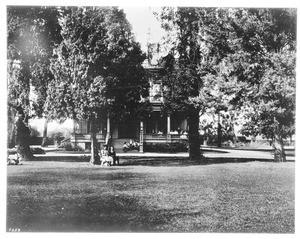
<point>194,140</point>
<point>22,140</point>
<point>95,158</point>
<point>219,132</point>
<point>22,130</point>
<point>231,129</point>
<point>11,133</point>
<point>279,154</point>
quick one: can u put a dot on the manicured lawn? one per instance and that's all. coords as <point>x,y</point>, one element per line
<point>166,197</point>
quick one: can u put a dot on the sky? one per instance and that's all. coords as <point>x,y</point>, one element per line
<point>144,22</point>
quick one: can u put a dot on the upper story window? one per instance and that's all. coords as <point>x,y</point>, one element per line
<point>155,93</point>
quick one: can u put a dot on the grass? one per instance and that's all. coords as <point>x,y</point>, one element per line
<point>49,196</point>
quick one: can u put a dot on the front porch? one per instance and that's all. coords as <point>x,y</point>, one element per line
<point>157,129</point>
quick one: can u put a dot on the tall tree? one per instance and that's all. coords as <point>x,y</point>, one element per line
<point>32,32</point>
<point>262,70</point>
<point>199,41</point>
<point>97,69</point>
<point>247,53</point>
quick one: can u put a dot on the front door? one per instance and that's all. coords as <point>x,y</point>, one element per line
<point>128,130</point>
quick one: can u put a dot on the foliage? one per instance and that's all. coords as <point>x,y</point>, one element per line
<point>31,34</point>
<point>56,136</point>
<point>260,74</point>
<point>97,60</point>
<point>11,151</point>
<point>97,68</point>
<point>69,147</point>
<point>169,147</point>
<point>34,150</point>
<point>276,97</point>
<point>46,141</point>
<point>199,43</point>
<point>242,59</point>
<point>37,150</point>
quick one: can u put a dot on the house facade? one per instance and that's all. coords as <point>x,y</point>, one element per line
<point>158,128</point>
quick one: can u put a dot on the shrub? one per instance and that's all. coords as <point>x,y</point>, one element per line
<point>242,139</point>
<point>227,143</point>
<point>254,144</point>
<point>34,150</point>
<point>212,140</point>
<point>11,151</point>
<point>169,147</point>
<point>35,138</point>
<point>69,147</point>
<point>289,143</point>
<point>37,150</point>
<point>46,141</point>
<point>57,137</point>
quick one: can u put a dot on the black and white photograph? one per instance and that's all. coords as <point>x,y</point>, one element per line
<point>149,118</point>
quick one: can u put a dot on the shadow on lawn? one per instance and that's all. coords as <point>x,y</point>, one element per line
<point>163,161</point>
<point>105,213</point>
<point>63,158</point>
<point>186,162</point>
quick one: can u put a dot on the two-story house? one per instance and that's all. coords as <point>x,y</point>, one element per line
<point>158,128</point>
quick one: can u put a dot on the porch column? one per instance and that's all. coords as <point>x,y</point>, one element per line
<point>168,124</point>
<point>108,134</point>
<point>169,128</point>
<point>141,150</point>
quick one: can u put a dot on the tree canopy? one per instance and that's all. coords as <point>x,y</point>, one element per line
<point>97,59</point>
<point>260,73</point>
<point>97,67</point>
<point>199,42</point>
<point>84,63</point>
<point>239,57</point>
<point>32,32</point>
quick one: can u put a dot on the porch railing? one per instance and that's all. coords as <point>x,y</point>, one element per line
<point>155,136</point>
<point>85,137</point>
<point>164,136</point>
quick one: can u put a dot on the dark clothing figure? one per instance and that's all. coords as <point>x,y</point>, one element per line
<point>112,153</point>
